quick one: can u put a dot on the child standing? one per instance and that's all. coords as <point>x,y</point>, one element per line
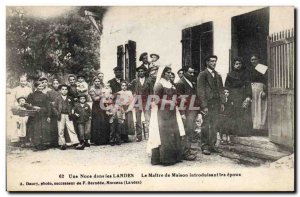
<point>116,118</point>
<point>82,89</point>
<point>125,99</point>
<point>83,114</point>
<point>63,107</point>
<point>21,121</point>
<point>225,123</point>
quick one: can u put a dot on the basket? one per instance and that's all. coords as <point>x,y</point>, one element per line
<point>23,112</point>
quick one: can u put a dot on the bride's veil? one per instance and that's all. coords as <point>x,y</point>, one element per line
<point>154,137</point>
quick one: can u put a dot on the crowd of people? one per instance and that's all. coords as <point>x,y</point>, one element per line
<point>77,114</point>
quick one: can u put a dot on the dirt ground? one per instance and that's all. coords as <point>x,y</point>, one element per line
<point>26,165</point>
<point>133,153</point>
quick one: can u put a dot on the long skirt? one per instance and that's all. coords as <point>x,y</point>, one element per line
<point>129,124</point>
<point>99,126</point>
<point>170,151</point>
<point>39,130</point>
<point>259,107</point>
<point>54,131</point>
<point>240,117</point>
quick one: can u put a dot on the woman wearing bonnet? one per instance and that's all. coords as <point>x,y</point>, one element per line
<point>259,79</point>
<point>166,126</point>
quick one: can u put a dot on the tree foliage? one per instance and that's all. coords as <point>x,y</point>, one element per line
<point>55,46</point>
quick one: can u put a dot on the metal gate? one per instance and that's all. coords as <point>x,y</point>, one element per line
<point>281,59</point>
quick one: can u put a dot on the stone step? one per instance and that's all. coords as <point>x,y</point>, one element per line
<point>241,159</point>
<point>260,142</point>
<point>254,152</point>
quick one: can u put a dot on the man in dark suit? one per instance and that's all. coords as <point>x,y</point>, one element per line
<point>210,91</point>
<point>72,87</point>
<point>187,92</point>
<point>115,83</point>
<point>141,87</point>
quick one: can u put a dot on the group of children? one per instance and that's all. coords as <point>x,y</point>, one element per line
<point>71,115</point>
<point>75,117</point>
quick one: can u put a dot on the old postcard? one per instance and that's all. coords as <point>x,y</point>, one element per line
<point>108,98</point>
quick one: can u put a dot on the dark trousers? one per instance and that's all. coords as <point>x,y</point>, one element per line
<point>139,126</point>
<point>115,131</point>
<point>210,121</point>
<point>189,125</point>
<point>84,131</point>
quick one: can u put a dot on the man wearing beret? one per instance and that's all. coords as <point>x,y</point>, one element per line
<point>44,81</point>
<point>144,59</point>
<point>141,87</point>
<point>72,80</point>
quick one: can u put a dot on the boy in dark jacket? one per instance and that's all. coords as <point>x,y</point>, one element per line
<point>63,107</point>
<point>83,114</point>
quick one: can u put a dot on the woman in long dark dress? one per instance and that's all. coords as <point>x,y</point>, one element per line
<point>99,124</point>
<point>39,124</point>
<point>238,84</point>
<point>165,145</point>
<point>52,95</point>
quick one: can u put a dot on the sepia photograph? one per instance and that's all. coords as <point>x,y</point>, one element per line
<point>150,98</point>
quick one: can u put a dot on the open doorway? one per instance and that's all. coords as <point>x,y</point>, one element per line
<point>249,34</point>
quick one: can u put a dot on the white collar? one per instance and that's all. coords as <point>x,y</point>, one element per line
<point>118,80</point>
<point>210,70</point>
<point>142,80</point>
<point>165,83</point>
<point>64,97</point>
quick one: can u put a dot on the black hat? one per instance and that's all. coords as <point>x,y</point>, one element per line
<point>21,97</point>
<point>80,75</point>
<point>118,68</point>
<point>141,67</point>
<point>142,55</point>
<point>63,85</point>
<point>153,54</point>
<point>43,78</point>
<point>82,95</point>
